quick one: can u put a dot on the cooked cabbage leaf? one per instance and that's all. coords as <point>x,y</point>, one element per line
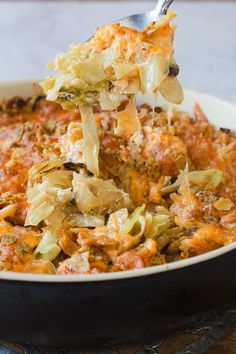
<point>48,247</point>
<point>223,204</point>
<point>153,72</point>
<point>47,203</point>
<point>200,179</point>
<point>206,179</point>
<point>135,223</point>
<point>122,223</point>
<point>128,120</point>
<point>40,168</point>
<point>81,220</point>
<point>96,196</point>
<point>156,224</point>
<point>91,140</point>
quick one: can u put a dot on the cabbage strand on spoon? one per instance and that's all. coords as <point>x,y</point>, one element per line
<point>117,63</point>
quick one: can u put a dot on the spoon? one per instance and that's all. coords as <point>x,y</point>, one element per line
<point>140,21</point>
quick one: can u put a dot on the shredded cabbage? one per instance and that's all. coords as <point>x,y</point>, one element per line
<point>81,220</point>
<point>207,179</point>
<point>96,196</point>
<point>108,56</point>
<point>135,223</point>
<point>223,204</point>
<point>91,140</point>
<point>90,71</point>
<point>40,208</point>
<point>153,72</point>
<point>108,99</point>
<point>122,223</point>
<point>48,247</point>
<point>40,168</point>
<point>116,220</point>
<point>59,179</point>
<point>123,69</point>
<point>47,201</point>
<point>174,186</point>
<point>50,199</point>
<point>139,223</point>
<point>128,121</point>
<point>156,224</point>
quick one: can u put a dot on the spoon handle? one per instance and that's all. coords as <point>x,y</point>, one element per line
<point>162,7</point>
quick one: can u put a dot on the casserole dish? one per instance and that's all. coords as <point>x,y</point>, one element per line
<point>74,310</point>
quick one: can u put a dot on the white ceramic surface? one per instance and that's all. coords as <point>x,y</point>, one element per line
<point>219,112</point>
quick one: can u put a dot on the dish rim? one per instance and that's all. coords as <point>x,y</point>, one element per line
<point>101,277</point>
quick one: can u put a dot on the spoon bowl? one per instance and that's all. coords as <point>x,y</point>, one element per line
<point>140,21</point>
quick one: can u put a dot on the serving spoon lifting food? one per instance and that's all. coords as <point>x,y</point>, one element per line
<point>140,21</point>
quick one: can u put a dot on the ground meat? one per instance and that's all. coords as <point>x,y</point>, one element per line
<point>139,257</point>
<point>206,239</point>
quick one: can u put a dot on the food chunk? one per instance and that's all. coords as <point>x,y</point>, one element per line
<point>206,239</point>
<point>116,61</point>
<point>139,257</point>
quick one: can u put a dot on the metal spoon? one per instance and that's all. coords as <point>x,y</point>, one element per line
<point>140,21</point>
